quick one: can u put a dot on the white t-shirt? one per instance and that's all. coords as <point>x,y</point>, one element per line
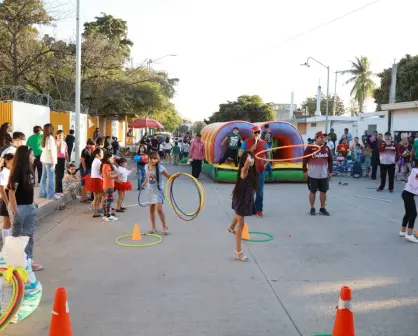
<point>95,168</point>
<point>125,173</point>
<point>49,152</point>
<point>167,146</point>
<point>412,184</point>
<point>12,149</point>
<point>4,177</point>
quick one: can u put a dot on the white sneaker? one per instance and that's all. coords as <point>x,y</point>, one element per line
<point>57,197</point>
<point>402,233</point>
<point>411,238</point>
<point>110,219</point>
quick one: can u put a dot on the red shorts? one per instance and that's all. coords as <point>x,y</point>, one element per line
<point>123,186</point>
<point>95,185</point>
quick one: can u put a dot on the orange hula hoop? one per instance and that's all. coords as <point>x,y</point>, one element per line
<point>288,146</point>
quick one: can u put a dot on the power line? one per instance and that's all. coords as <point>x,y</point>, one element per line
<point>325,24</point>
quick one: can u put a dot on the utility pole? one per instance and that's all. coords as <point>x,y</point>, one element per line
<point>334,107</point>
<point>77,87</point>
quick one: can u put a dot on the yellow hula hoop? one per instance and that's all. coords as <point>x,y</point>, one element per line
<point>160,239</point>
<point>199,186</point>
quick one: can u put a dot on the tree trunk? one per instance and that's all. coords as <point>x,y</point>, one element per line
<point>15,68</point>
<point>360,108</point>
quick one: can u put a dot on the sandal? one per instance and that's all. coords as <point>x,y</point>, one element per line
<point>240,256</point>
<point>152,231</point>
<point>37,267</point>
<point>230,230</point>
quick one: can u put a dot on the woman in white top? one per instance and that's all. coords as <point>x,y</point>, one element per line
<point>410,191</point>
<point>49,160</point>
<point>4,193</point>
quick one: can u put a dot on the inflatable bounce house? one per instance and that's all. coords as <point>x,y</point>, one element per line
<point>283,134</point>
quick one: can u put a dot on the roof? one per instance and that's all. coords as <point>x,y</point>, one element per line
<point>400,106</point>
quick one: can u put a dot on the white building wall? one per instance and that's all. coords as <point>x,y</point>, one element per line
<point>404,120</point>
<point>26,116</point>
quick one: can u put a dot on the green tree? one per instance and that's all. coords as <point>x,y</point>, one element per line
<point>406,82</point>
<point>197,127</point>
<point>310,105</point>
<point>248,108</point>
<point>361,78</point>
<point>114,29</point>
<point>20,49</point>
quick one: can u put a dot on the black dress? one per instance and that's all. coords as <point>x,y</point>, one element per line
<point>244,204</point>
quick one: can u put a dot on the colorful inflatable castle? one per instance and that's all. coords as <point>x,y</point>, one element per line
<point>283,134</point>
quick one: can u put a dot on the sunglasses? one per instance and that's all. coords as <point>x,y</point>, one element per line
<point>256,132</point>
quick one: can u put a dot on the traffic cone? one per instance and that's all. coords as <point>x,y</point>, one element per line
<point>136,235</point>
<point>245,233</point>
<point>344,322</point>
<point>60,320</point>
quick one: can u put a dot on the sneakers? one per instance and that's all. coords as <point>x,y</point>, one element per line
<point>379,190</point>
<point>411,239</point>
<point>312,212</point>
<point>402,233</point>
<point>259,214</point>
<point>110,219</point>
<point>57,197</point>
<point>324,212</point>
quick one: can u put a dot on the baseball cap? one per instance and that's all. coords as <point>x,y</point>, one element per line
<point>255,129</point>
<point>320,134</point>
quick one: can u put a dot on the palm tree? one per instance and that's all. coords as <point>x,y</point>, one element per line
<point>363,85</point>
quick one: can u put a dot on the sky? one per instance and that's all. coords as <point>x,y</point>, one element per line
<point>227,48</point>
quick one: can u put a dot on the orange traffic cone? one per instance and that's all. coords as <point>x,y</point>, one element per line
<point>245,233</point>
<point>60,320</point>
<point>136,235</point>
<point>344,322</point>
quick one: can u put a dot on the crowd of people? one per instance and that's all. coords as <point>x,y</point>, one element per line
<point>44,160</point>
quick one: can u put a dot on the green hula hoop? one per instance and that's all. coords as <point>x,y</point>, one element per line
<point>268,235</point>
<point>160,239</point>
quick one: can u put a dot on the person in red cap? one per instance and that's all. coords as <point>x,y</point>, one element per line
<point>256,145</point>
<point>318,170</point>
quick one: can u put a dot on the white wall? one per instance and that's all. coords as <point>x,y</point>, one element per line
<point>380,123</point>
<point>404,120</point>
<point>26,116</point>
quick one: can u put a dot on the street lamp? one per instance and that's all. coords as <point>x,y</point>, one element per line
<point>327,104</point>
<point>157,59</point>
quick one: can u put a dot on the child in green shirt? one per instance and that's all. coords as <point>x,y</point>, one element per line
<point>176,153</point>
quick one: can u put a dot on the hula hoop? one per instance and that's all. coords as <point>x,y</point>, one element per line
<point>160,239</point>
<point>170,196</point>
<point>268,235</point>
<point>145,204</point>
<point>257,156</point>
<point>17,297</point>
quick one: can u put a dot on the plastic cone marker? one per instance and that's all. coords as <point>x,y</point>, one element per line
<point>60,319</point>
<point>344,321</point>
<point>245,233</point>
<point>136,235</point>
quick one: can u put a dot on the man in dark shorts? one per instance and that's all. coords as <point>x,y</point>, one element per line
<point>317,170</point>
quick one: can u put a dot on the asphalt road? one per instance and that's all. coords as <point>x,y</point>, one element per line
<point>191,285</point>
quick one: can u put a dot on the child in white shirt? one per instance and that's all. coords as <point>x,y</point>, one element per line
<point>122,185</point>
<point>410,191</point>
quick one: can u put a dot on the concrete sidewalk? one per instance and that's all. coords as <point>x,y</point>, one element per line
<point>190,284</point>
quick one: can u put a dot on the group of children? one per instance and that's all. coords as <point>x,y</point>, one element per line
<point>108,174</point>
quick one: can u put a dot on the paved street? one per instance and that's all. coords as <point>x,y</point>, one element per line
<point>190,284</point>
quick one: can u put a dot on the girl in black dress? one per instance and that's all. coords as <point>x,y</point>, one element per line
<point>243,198</point>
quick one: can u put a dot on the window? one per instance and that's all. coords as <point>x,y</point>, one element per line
<point>313,124</point>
